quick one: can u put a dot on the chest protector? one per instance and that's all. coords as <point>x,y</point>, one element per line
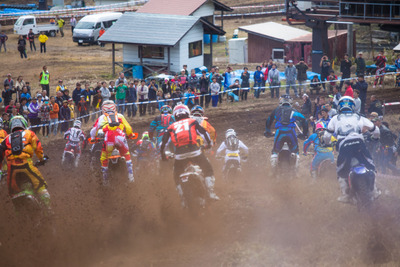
<point>17,145</point>
<point>232,143</point>
<point>165,120</point>
<point>285,115</point>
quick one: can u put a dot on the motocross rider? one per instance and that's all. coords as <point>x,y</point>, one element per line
<point>114,137</point>
<point>74,136</point>
<point>286,118</point>
<point>18,148</point>
<point>349,126</point>
<point>145,148</point>
<point>183,134</point>
<point>322,151</point>
<point>232,147</point>
<point>198,114</point>
<point>161,123</point>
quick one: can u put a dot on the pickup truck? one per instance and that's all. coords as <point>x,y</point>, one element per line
<point>25,23</point>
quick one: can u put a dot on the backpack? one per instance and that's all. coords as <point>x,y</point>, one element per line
<point>17,145</point>
<point>285,115</point>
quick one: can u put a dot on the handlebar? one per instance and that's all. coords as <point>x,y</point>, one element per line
<point>41,163</point>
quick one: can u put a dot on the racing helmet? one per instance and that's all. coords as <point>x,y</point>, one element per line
<point>108,107</point>
<point>18,123</point>
<point>346,104</point>
<point>320,126</point>
<point>145,135</point>
<point>285,100</point>
<point>100,133</point>
<point>77,124</point>
<point>166,109</point>
<point>181,112</point>
<point>197,111</point>
<point>230,132</point>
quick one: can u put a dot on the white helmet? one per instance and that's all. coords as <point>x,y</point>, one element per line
<point>181,112</point>
<point>108,107</point>
<point>346,104</point>
<point>100,133</point>
<point>230,132</point>
<point>77,124</point>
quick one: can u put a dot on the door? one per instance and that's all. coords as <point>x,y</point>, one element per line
<point>29,23</point>
<point>96,30</point>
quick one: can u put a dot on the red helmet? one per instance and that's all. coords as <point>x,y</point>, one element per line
<point>181,112</point>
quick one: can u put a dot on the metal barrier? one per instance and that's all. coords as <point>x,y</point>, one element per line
<point>358,10</point>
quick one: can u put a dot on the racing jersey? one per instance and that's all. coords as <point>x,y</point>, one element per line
<point>207,126</point>
<point>3,135</point>
<point>232,154</point>
<point>74,135</point>
<point>318,147</point>
<point>159,123</point>
<point>102,121</point>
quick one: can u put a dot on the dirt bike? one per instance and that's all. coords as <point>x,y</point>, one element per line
<point>286,162</point>
<point>326,168</point>
<point>232,167</point>
<point>361,183</point>
<point>69,157</point>
<point>26,203</point>
<point>193,186</point>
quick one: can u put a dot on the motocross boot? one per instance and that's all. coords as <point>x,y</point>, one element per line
<point>63,158</point>
<point>344,187</point>
<point>274,160</point>
<point>210,181</point>
<point>76,163</point>
<point>130,171</point>
<point>180,192</point>
<point>104,170</point>
<point>376,192</point>
<point>314,175</point>
<point>45,199</point>
<point>297,164</point>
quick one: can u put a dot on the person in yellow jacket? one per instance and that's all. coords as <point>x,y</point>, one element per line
<point>44,80</point>
<point>198,114</point>
<point>42,40</point>
<point>60,23</point>
<point>18,149</point>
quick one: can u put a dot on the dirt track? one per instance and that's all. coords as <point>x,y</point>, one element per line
<point>260,221</point>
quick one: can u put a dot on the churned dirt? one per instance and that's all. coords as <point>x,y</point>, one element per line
<point>259,221</point>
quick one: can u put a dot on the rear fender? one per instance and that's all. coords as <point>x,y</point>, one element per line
<point>360,172</point>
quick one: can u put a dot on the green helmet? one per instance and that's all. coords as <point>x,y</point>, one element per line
<point>18,123</point>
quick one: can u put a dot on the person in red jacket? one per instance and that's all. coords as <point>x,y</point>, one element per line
<point>349,89</point>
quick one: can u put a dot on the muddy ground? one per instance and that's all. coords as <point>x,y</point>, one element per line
<point>259,221</point>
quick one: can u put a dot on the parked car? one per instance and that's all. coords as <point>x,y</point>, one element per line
<point>88,28</point>
<point>25,23</point>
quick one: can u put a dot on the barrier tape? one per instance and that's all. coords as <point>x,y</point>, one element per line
<point>258,6</point>
<point>183,98</point>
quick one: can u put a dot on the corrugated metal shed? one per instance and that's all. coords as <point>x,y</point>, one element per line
<point>178,7</point>
<point>275,31</point>
<point>149,29</point>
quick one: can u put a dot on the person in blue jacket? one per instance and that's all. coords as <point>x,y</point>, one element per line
<point>285,117</point>
<point>258,81</point>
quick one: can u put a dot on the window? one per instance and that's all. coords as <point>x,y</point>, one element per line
<point>156,52</point>
<point>28,21</point>
<point>109,23</point>
<point>98,25</point>
<point>278,54</point>
<point>195,49</point>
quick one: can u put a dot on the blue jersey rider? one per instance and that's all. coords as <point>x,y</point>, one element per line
<point>286,118</point>
<point>161,123</point>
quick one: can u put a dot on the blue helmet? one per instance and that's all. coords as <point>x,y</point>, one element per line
<point>166,109</point>
<point>346,105</point>
<point>197,111</point>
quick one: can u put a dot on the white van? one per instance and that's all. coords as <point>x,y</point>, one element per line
<point>88,28</point>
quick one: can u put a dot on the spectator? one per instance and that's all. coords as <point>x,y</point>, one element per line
<point>60,23</point>
<point>73,23</point>
<point>193,80</point>
<point>183,80</point>
<point>397,63</point>
<point>360,63</point>
<point>362,87</point>
<point>65,115</point>
<point>65,95</point>
<point>20,83</point>
<point>204,84</point>
<point>258,81</point>
<point>219,81</point>
<point>214,88</point>
<point>59,101</point>
<point>380,62</point>
<point>111,88</point>
<point>44,79</point>
<point>302,68</point>
<point>186,71</point>
<point>319,103</point>
<point>96,103</point>
<point>349,89</point>
<point>325,65</point>
<point>306,107</point>
<point>245,83</point>
<point>71,107</point>
<point>44,96</point>
<point>166,87</point>
<point>120,97</point>
<point>234,94</point>
<point>33,116</point>
<point>87,92</point>
<point>23,108</point>
<point>28,87</point>
<point>60,87</point>
<point>22,46</point>
<point>7,94</point>
<point>332,78</point>
<point>336,96</point>
<point>160,99</point>
<point>3,40</point>
<point>54,110</point>
<point>331,111</point>
<point>39,99</point>
<point>9,81</point>
<point>291,74</point>
<point>228,79</point>
<point>121,79</point>
<point>105,93</point>
<point>143,95</point>
<point>25,94</point>
<point>212,72</point>
<point>274,82</point>
<point>101,32</point>
<point>375,106</point>
<point>345,67</point>
<point>131,98</point>
<point>153,88</point>
<point>42,40</point>
<point>357,101</point>
<point>83,108</point>
<point>44,115</point>
<point>264,70</point>
<point>10,106</point>
<point>189,97</point>
<point>31,39</point>
<point>76,94</point>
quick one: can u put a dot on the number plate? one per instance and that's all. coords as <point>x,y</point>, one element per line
<point>233,155</point>
<point>80,41</point>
